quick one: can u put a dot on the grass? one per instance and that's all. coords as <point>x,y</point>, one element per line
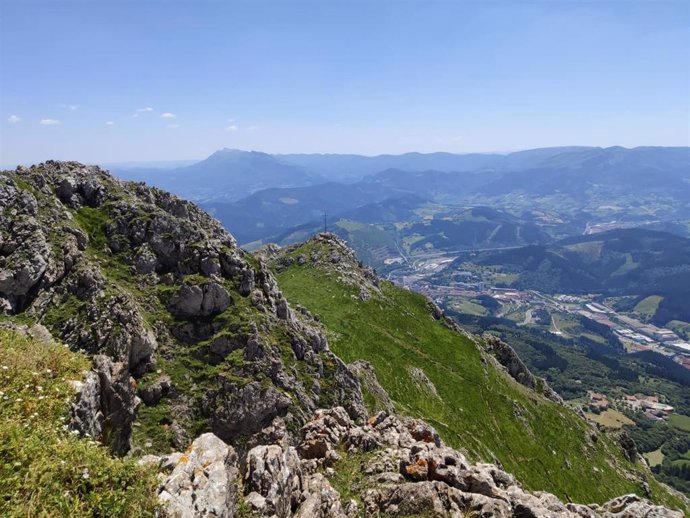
<point>655,457</point>
<point>611,419</point>
<point>680,421</point>
<point>349,479</point>
<point>93,221</point>
<point>648,306</point>
<point>547,449</point>
<point>627,266</point>
<point>45,471</point>
<point>468,307</point>
<point>565,322</point>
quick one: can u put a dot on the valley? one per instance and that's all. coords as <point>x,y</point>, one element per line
<point>344,259</point>
<point>571,255</point>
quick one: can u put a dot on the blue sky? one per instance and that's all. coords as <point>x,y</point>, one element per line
<point>129,80</point>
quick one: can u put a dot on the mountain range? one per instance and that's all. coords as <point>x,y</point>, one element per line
<point>197,379</point>
<point>260,197</point>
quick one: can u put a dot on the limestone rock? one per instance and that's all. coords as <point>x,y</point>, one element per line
<point>205,300</point>
<point>411,472</point>
<point>118,401</point>
<point>366,376</point>
<point>273,471</point>
<point>321,500</point>
<point>203,481</point>
<point>153,393</point>
<point>86,416</point>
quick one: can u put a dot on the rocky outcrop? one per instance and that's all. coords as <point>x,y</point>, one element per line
<point>105,404</point>
<point>366,376</point>
<point>86,414</point>
<point>151,283</point>
<point>409,471</point>
<point>516,369</point>
<point>340,258</point>
<point>199,483</point>
<point>507,357</point>
<point>274,479</point>
<point>401,468</point>
<point>152,394</point>
<point>193,301</point>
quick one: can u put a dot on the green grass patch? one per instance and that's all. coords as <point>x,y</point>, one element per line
<point>611,419</point>
<point>680,421</point>
<point>679,327</point>
<point>45,471</point>
<point>655,457</point>
<point>468,307</point>
<point>547,448</point>
<point>349,479</point>
<point>648,306</point>
<point>93,222</point>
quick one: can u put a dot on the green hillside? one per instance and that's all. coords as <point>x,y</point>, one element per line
<point>434,373</point>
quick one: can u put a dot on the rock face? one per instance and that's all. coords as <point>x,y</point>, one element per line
<point>516,369</point>
<point>401,468</point>
<point>205,300</point>
<point>201,482</point>
<point>367,379</point>
<point>172,311</point>
<point>274,479</point>
<point>409,471</point>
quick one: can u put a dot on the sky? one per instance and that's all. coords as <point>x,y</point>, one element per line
<point>114,81</point>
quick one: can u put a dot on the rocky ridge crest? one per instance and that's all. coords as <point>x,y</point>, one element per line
<point>172,311</point>
<point>394,467</point>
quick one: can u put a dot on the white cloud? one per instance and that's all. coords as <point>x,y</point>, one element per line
<point>173,126</point>
<point>70,107</point>
<point>168,115</point>
<point>141,110</point>
<point>254,127</point>
<point>109,123</point>
<point>232,129</point>
<point>13,119</point>
<point>50,122</point>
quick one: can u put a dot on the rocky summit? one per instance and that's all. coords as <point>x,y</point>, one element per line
<point>175,315</point>
<point>212,393</point>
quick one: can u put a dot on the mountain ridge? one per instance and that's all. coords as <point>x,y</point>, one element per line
<point>190,336</point>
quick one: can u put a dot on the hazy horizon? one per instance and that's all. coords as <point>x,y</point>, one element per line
<point>165,163</point>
